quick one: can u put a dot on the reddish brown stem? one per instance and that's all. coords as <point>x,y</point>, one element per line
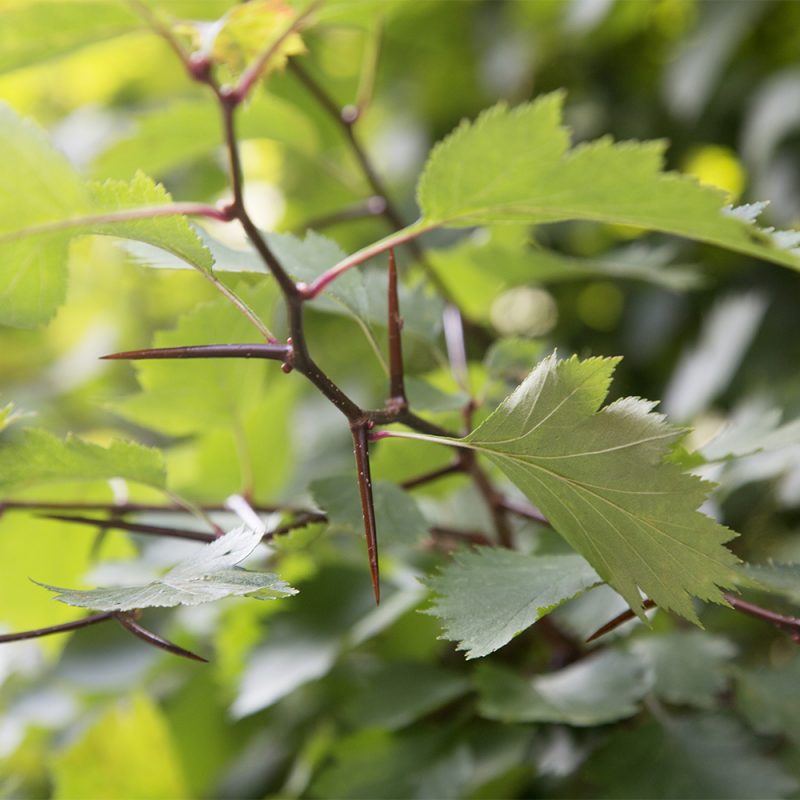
<point>620,619</point>
<point>128,622</point>
<point>789,625</point>
<point>361,450</point>
<point>434,474</point>
<point>397,388</point>
<point>65,627</point>
<point>523,509</point>
<point>133,527</point>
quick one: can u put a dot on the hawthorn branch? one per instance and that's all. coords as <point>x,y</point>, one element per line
<point>346,119</point>
<point>787,624</point>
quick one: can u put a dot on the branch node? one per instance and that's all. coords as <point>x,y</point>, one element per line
<point>350,114</point>
<point>199,67</point>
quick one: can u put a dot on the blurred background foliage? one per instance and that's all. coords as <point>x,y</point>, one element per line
<point>324,695</point>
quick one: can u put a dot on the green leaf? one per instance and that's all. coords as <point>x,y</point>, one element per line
<point>36,456</point>
<point>597,690</point>
<point>128,752</point>
<point>694,756</point>
<point>173,234</point>
<point>417,689</point>
<point>600,479</point>
<point>36,31</point>
<point>37,185</point>
<point>688,667</point>
<point>397,515</point>
<point>782,579</point>
<point>769,699</point>
<point>487,597</point>
<point>515,165</point>
<point>187,397</point>
<point>203,578</point>
<point>180,133</point>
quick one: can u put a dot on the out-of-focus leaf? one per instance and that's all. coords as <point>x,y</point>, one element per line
<point>416,689</point>
<point>397,514</point>
<point>487,597</point>
<point>208,576</point>
<point>333,611</point>
<point>694,756</point>
<point>783,579</point>
<point>180,133</point>
<point>769,699</point>
<point>599,689</point>
<point>600,479</point>
<point>248,29</point>
<point>36,456</point>
<point>195,396</point>
<point>37,185</point>
<point>374,764</point>
<point>706,369</point>
<point>688,666</point>
<point>39,30</point>
<point>128,752</point>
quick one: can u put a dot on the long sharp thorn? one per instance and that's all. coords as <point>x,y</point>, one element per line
<point>84,622</point>
<point>361,450</point>
<point>134,527</point>
<point>130,624</point>
<point>397,389</point>
<point>275,352</point>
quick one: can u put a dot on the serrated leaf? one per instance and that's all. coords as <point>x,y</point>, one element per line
<point>208,576</point>
<point>693,756</point>
<point>173,234</point>
<point>515,165</point>
<point>36,456</point>
<point>487,597</point>
<point>37,185</point>
<point>600,479</point>
<point>597,690</point>
<point>688,667</point>
<point>246,31</point>
<point>44,205</point>
<point>34,31</point>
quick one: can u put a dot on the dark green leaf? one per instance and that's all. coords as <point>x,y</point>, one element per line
<point>488,596</point>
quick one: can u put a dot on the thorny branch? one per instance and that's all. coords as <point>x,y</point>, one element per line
<point>295,354</point>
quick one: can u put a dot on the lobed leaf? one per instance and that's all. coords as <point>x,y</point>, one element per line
<point>600,479</point>
<point>37,185</point>
<point>488,596</point>
<point>600,689</point>
<point>173,233</point>
<point>37,456</point>
<point>208,576</point>
<point>515,165</point>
